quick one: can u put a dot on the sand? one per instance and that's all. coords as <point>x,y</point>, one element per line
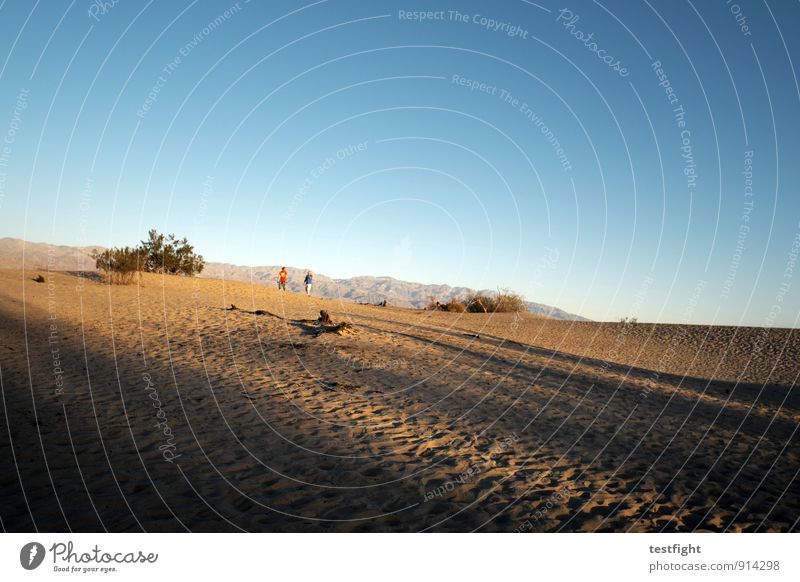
<point>154,407</point>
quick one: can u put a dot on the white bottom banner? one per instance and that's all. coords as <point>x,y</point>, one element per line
<point>380,557</point>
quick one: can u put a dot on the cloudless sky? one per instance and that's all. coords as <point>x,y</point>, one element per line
<point>497,144</point>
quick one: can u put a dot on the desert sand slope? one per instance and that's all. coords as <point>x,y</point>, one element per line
<point>152,407</point>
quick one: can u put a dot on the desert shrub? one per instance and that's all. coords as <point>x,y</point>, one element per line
<point>504,301</point>
<point>433,304</point>
<point>157,254</point>
<point>119,264</point>
<point>168,254</point>
<point>455,306</point>
<point>39,279</point>
<point>452,306</point>
<point>480,303</point>
<point>629,320</point>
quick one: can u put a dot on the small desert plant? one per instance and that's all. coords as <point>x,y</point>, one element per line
<point>157,254</point>
<point>504,301</point>
<point>454,306</point>
<point>39,279</point>
<point>433,304</point>
<point>168,254</point>
<point>119,264</point>
<point>480,303</point>
<point>628,320</point>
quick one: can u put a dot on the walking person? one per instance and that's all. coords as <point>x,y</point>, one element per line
<point>309,280</point>
<point>282,278</point>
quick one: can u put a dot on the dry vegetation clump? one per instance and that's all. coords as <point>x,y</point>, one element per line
<point>504,301</point>
<point>455,306</point>
<point>452,306</point>
<point>120,265</point>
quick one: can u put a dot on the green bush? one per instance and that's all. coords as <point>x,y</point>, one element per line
<point>157,254</point>
<point>167,254</point>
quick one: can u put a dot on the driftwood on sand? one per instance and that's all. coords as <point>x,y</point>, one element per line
<point>326,325</point>
<point>315,327</point>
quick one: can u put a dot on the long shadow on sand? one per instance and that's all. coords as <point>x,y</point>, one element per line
<point>91,456</point>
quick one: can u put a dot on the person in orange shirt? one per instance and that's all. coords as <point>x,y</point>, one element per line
<point>282,277</point>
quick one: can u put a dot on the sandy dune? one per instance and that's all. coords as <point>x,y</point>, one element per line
<point>152,407</point>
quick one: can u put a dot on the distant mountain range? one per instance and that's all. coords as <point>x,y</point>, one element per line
<point>38,256</point>
<point>362,289</point>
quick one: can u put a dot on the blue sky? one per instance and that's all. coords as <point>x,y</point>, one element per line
<point>493,144</point>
